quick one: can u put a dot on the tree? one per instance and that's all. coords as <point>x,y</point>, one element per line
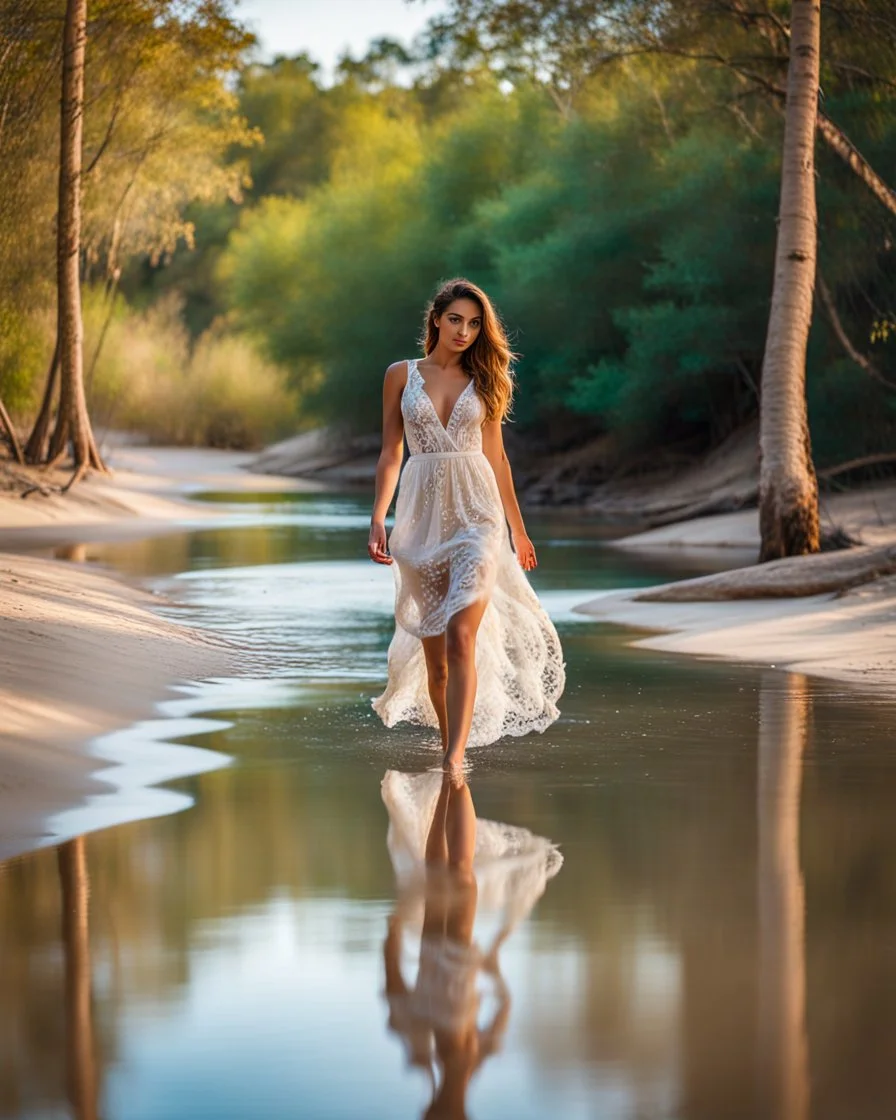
<point>788,488</point>
<point>72,421</point>
<point>162,130</point>
<point>784,718</point>
<point>566,39</point>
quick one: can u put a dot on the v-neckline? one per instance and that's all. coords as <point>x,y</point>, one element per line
<point>435,412</point>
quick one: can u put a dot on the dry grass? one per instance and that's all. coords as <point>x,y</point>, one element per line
<point>218,392</point>
<point>151,378</point>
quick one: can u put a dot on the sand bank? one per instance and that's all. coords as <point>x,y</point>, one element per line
<point>148,489</point>
<point>81,653</point>
<point>848,637</point>
<point>868,515</point>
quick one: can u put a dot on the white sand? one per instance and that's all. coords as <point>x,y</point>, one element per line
<point>81,653</point>
<point>148,489</point>
<point>868,514</point>
<point>849,637</point>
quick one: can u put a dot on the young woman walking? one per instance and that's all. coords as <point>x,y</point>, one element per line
<point>474,652</point>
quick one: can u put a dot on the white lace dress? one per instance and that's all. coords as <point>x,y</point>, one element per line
<point>451,548</point>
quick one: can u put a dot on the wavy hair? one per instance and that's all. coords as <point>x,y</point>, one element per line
<point>488,360</point>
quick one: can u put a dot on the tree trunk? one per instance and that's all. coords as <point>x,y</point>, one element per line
<point>7,425</point>
<point>80,1048</point>
<point>36,447</point>
<point>72,422</point>
<point>788,489</point>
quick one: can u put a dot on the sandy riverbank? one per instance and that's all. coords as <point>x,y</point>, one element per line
<point>148,489</point>
<point>82,652</point>
<point>849,636</point>
<point>868,515</point>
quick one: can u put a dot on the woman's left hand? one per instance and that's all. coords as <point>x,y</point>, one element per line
<point>525,550</point>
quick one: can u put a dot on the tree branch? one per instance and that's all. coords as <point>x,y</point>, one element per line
<point>843,338</point>
<point>835,138</point>
<point>840,143</point>
<point>10,431</point>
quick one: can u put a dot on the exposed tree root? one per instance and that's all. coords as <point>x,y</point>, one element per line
<point>794,577</point>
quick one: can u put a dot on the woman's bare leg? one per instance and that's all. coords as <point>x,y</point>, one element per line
<point>436,853</point>
<point>451,840</point>
<point>450,846</point>
<point>460,695</point>
<point>460,837</point>
<point>437,680</point>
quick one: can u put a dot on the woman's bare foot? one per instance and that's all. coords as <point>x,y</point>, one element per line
<point>452,761</point>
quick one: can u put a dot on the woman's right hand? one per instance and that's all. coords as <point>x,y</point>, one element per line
<point>376,543</point>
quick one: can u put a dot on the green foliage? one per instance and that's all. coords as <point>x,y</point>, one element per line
<point>335,283</point>
<point>629,245</point>
<point>160,118</point>
<point>615,194</point>
<point>850,414</point>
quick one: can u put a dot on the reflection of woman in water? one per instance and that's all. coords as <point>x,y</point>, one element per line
<point>435,845</point>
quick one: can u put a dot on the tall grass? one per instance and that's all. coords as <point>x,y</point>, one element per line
<point>149,378</point>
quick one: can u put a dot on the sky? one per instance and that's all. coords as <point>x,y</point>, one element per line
<point>325,28</point>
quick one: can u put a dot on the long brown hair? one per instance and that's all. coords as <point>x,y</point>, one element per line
<point>488,360</point>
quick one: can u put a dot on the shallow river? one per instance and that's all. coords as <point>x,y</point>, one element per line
<point>685,904</point>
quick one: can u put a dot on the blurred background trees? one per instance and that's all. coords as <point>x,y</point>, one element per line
<point>261,242</point>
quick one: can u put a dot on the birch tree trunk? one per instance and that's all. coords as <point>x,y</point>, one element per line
<point>788,488</point>
<point>72,422</point>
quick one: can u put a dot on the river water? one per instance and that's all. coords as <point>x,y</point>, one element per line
<point>685,894</point>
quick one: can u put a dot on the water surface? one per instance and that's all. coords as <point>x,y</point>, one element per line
<point>687,909</point>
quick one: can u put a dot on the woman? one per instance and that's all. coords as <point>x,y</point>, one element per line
<point>464,611</point>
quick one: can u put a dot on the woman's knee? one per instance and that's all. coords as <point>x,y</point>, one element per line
<point>437,672</point>
<point>460,642</point>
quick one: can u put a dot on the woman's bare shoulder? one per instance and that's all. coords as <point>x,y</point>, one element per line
<point>397,373</point>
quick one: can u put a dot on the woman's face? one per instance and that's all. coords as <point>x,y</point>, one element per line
<point>459,325</point>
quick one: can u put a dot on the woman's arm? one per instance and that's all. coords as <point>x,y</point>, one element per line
<point>388,466</point>
<point>493,448</point>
